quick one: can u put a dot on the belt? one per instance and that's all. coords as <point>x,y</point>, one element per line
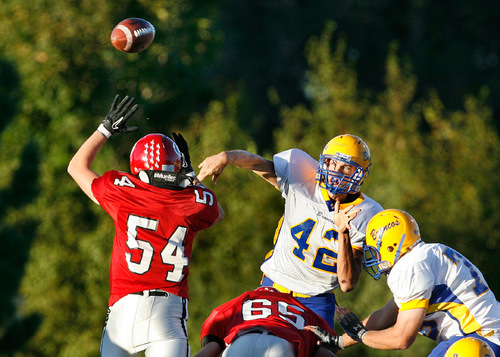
<point>287,291</point>
<point>261,331</point>
<point>151,293</point>
<point>294,294</point>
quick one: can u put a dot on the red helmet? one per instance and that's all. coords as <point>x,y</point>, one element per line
<point>155,152</point>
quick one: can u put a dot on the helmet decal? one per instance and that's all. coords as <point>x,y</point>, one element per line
<point>390,234</point>
<point>155,152</point>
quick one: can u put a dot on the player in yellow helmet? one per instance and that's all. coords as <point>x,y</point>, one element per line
<point>470,347</point>
<point>437,292</point>
<point>319,241</point>
<point>400,234</point>
<point>350,153</point>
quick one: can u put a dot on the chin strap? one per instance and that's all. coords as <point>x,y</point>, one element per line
<point>166,179</point>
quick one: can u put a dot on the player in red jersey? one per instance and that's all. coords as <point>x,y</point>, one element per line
<point>157,211</point>
<point>262,322</point>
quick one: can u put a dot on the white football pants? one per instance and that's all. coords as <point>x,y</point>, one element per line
<point>156,324</point>
<point>259,345</point>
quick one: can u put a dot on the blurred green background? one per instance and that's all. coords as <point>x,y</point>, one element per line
<point>417,80</point>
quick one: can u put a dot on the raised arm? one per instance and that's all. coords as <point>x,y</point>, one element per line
<point>115,122</point>
<point>80,165</point>
<point>214,165</point>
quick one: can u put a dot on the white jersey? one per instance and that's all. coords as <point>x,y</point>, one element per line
<point>453,290</point>
<point>305,252</point>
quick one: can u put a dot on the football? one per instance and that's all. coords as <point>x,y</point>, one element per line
<point>132,35</point>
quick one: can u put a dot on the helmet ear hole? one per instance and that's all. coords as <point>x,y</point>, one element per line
<point>394,232</point>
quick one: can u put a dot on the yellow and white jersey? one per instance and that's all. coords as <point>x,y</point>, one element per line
<point>305,252</point>
<point>453,290</point>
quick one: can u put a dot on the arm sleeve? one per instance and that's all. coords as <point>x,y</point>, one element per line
<point>294,167</point>
<point>412,288</point>
<point>207,217</point>
<point>99,187</point>
<point>218,322</point>
<point>281,167</point>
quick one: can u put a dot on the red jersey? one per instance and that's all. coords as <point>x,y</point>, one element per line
<point>279,313</point>
<point>155,228</point>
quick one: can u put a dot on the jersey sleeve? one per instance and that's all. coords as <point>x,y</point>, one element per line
<point>213,328</point>
<point>357,238</point>
<point>294,167</point>
<point>210,210</point>
<point>412,287</point>
<point>99,188</point>
<point>281,167</point>
<point>220,321</point>
<point>368,208</point>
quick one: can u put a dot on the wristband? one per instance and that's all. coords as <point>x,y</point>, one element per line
<point>102,129</point>
<point>361,335</point>
<point>340,343</point>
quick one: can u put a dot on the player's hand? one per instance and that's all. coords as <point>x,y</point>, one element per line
<point>333,343</point>
<point>183,147</point>
<point>351,324</point>
<point>213,166</point>
<point>344,216</point>
<point>116,119</point>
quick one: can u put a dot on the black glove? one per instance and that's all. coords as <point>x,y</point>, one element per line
<point>183,147</point>
<point>353,327</point>
<point>116,119</point>
<point>333,343</point>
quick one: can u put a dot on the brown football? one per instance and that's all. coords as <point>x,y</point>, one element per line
<point>132,35</point>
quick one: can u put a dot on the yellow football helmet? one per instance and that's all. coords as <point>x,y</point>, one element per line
<point>389,235</point>
<point>469,347</point>
<point>348,149</point>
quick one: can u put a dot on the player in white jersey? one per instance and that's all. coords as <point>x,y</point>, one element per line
<point>437,292</point>
<point>319,240</point>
